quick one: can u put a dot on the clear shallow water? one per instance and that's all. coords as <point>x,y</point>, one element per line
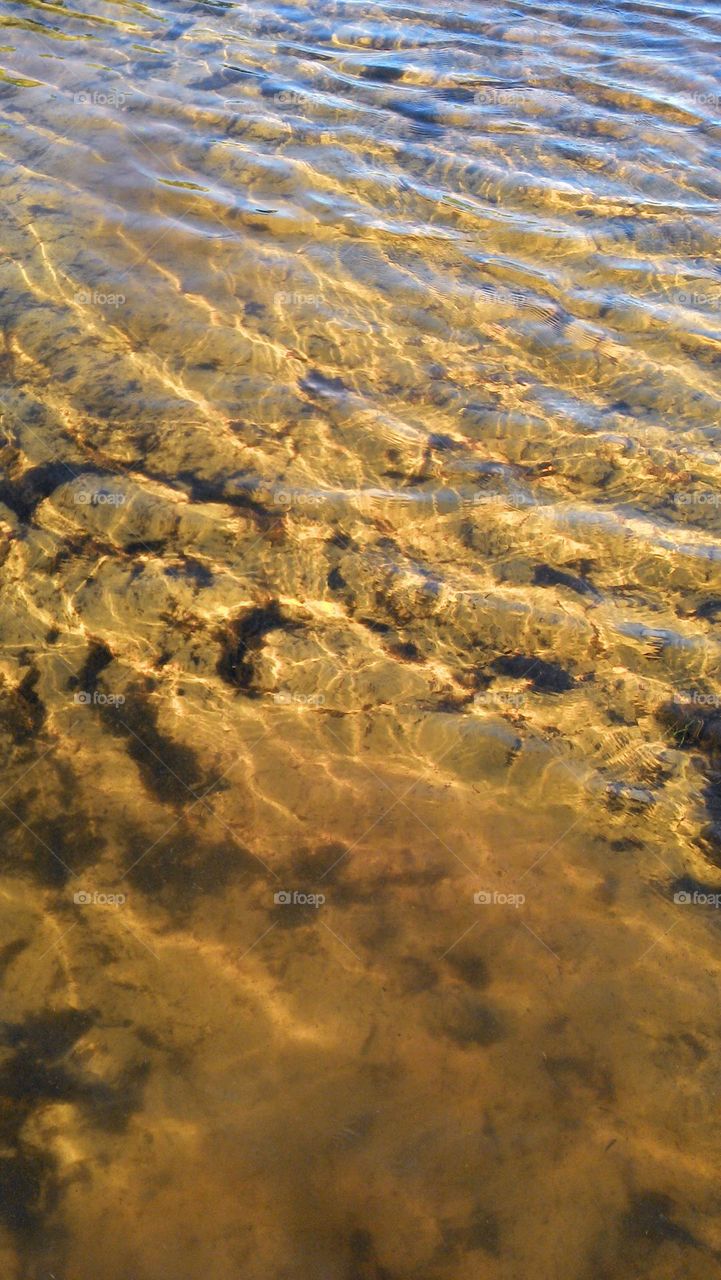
<point>360,515</point>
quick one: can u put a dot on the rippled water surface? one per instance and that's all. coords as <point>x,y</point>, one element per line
<point>360,583</point>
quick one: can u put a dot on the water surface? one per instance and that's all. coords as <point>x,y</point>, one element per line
<point>360,579</point>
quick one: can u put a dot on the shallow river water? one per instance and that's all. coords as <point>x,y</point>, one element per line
<point>360,581</point>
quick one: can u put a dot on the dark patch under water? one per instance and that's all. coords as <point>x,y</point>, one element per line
<point>170,770</point>
<point>243,637</point>
<point>546,677</point>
